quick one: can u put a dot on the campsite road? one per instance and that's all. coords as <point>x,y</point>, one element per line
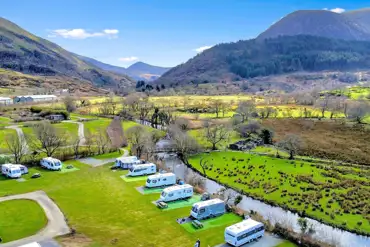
<point>81,131</point>
<point>57,225</point>
<point>20,135</point>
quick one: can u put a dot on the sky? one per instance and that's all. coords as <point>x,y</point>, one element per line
<point>159,32</point>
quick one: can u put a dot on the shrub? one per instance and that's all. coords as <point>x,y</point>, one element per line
<point>36,109</point>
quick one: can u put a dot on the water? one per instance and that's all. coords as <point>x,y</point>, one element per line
<point>323,232</point>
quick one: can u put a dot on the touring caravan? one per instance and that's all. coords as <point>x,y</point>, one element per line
<point>127,162</point>
<point>140,170</point>
<point>162,179</point>
<point>208,209</point>
<point>11,171</point>
<point>51,164</point>
<point>24,169</point>
<point>244,232</point>
<point>176,192</point>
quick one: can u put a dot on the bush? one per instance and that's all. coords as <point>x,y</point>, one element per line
<point>36,109</point>
<point>52,112</point>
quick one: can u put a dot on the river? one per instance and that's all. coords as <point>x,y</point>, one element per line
<point>323,232</point>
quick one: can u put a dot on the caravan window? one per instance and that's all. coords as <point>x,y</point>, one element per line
<point>245,235</point>
<point>194,209</point>
<point>131,169</point>
<point>164,194</point>
<point>154,181</point>
<point>165,179</point>
<point>171,194</point>
<point>148,181</point>
<point>202,210</point>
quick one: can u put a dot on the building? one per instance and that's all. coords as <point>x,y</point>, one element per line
<point>56,117</point>
<point>5,101</point>
<point>34,98</point>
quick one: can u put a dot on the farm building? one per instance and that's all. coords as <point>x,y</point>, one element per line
<point>34,98</point>
<point>5,101</point>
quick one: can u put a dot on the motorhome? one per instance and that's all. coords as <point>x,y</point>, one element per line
<point>127,162</point>
<point>244,232</point>
<point>140,170</point>
<point>11,171</point>
<point>159,180</point>
<point>176,192</point>
<point>51,164</point>
<point>208,209</point>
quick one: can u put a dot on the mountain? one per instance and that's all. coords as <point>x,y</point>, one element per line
<point>254,58</point>
<point>348,26</point>
<point>146,71</point>
<point>138,71</point>
<point>26,53</point>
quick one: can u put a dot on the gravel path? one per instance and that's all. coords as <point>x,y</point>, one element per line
<point>20,135</point>
<point>81,131</point>
<point>96,162</point>
<point>267,240</point>
<point>57,225</point>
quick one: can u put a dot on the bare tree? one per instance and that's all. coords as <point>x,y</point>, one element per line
<point>335,106</point>
<point>183,124</point>
<point>246,130</point>
<point>48,139</point>
<point>70,104</point>
<point>17,146</point>
<point>358,111</point>
<point>89,142</point>
<point>216,106</point>
<point>245,109</point>
<point>76,146</point>
<point>225,107</point>
<point>137,137</point>
<point>227,195</point>
<point>204,165</point>
<point>291,143</point>
<point>215,134</point>
<point>132,100</point>
<point>266,112</point>
<point>184,144</point>
<point>144,107</point>
<point>102,141</point>
<point>323,104</point>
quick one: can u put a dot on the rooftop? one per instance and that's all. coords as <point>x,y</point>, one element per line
<point>178,187</point>
<point>5,98</point>
<point>144,165</point>
<point>38,96</point>
<point>242,226</point>
<point>161,175</point>
<point>208,202</point>
<point>128,158</point>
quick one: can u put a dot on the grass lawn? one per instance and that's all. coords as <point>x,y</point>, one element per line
<point>5,121</point>
<point>230,219</point>
<point>286,244</point>
<point>112,155</point>
<point>3,134</point>
<point>198,134</point>
<point>20,219</point>
<point>103,207</point>
<point>329,193</point>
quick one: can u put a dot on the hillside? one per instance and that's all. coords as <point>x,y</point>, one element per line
<point>137,71</point>
<point>320,23</point>
<point>26,53</point>
<point>361,16</point>
<point>253,58</point>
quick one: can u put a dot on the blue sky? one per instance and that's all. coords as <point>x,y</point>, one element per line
<point>159,32</point>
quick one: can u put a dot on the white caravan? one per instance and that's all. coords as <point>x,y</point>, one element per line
<point>24,169</point>
<point>176,192</point>
<point>11,171</point>
<point>162,179</point>
<point>51,164</point>
<point>208,209</point>
<point>244,232</point>
<point>127,162</point>
<point>140,170</point>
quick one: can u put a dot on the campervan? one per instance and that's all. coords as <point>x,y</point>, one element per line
<point>24,169</point>
<point>127,162</point>
<point>244,232</point>
<point>176,192</point>
<point>140,170</point>
<point>208,209</point>
<point>51,164</point>
<point>159,180</point>
<point>11,171</point>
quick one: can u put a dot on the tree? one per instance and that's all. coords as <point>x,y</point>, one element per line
<point>245,109</point>
<point>48,139</point>
<point>229,196</point>
<point>305,227</point>
<point>246,130</point>
<point>291,143</point>
<point>358,111</point>
<point>132,100</point>
<point>266,135</point>
<point>184,144</point>
<point>215,134</point>
<point>335,106</point>
<point>70,104</point>
<point>204,165</point>
<point>137,137</point>
<point>216,106</point>
<point>17,145</point>
<point>183,124</point>
<point>323,104</point>
<point>144,107</point>
<point>102,141</point>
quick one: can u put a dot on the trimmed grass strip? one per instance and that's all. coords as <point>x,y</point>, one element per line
<point>224,220</point>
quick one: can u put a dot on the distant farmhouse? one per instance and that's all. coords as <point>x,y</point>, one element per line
<point>5,101</point>
<point>34,98</point>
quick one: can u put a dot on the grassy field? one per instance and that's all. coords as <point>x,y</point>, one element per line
<point>20,218</point>
<point>333,194</point>
<point>104,207</point>
<point>198,134</point>
<point>102,123</point>
<point>3,134</point>
<point>355,92</point>
<point>4,121</point>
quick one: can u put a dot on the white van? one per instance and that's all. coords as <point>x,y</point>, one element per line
<point>162,179</point>
<point>11,171</point>
<point>140,170</point>
<point>176,192</point>
<point>127,162</point>
<point>208,209</point>
<point>244,232</point>
<point>51,164</point>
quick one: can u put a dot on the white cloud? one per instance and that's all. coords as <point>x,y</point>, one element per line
<point>79,33</point>
<point>203,48</point>
<point>336,10</point>
<point>128,59</point>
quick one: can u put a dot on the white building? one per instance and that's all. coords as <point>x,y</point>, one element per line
<point>5,101</point>
<point>34,98</point>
